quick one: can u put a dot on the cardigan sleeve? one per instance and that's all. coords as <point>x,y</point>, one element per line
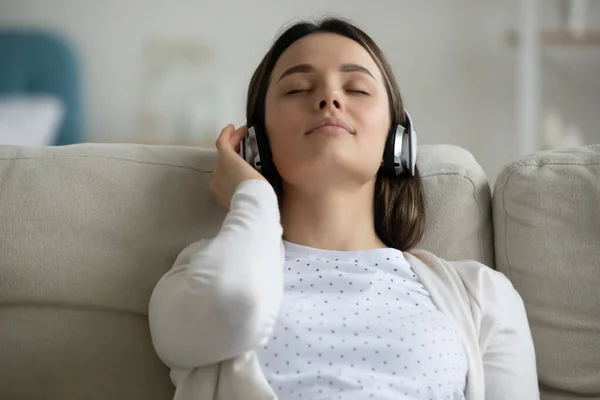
<point>506,343</point>
<point>222,296</point>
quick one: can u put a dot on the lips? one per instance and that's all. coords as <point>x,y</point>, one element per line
<point>330,125</point>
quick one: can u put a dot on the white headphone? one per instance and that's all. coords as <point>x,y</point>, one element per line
<point>400,153</point>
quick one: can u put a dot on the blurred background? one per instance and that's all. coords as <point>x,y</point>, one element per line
<point>499,78</point>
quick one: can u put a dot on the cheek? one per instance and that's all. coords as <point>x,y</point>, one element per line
<point>281,116</point>
<point>282,122</point>
<point>376,125</point>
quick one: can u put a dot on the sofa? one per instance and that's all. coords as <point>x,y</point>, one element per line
<point>87,230</point>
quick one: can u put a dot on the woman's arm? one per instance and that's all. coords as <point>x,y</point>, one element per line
<point>222,296</point>
<point>508,353</point>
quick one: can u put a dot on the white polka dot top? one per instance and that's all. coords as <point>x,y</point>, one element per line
<point>360,325</point>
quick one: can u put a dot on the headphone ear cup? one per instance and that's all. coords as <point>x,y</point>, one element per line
<point>249,149</point>
<point>412,149</point>
<point>409,148</point>
<point>387,163</point>
<point>265,160</point>
<point>400,152</point>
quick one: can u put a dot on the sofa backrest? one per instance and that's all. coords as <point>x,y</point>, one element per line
<point>87,230</point>
<point>458,205</point>
<point>547,241</point>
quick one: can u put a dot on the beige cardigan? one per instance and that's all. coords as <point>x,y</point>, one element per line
<point>222,297</point>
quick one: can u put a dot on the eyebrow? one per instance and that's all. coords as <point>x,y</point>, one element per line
<point>306,68</point>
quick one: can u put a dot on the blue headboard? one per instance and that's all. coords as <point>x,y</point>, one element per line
<point>43,63</point>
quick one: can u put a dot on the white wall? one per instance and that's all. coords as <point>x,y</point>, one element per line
<point>455,69</point>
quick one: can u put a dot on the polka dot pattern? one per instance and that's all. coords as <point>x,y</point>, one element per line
<point>360,325</point>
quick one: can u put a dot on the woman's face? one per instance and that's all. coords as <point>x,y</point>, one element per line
<point>326,79</point>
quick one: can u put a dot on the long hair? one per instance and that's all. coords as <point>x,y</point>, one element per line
<point>398,201</point>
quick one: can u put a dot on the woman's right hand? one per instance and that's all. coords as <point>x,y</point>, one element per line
<point>231,168</point>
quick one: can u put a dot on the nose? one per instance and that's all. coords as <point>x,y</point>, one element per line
<point>330,100</point>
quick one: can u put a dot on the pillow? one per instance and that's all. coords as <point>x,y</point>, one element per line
<point>547,239</point>
<point>27,120</point>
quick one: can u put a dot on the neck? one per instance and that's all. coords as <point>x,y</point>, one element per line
<point>332,220</point>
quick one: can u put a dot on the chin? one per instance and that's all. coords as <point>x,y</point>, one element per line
<point>329,172</point>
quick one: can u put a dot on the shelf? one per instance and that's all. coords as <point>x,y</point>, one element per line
<point>560,38</point>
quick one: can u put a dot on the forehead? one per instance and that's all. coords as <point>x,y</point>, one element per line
<point>325,51</point>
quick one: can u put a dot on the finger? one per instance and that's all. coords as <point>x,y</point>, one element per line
<point>224,139</point>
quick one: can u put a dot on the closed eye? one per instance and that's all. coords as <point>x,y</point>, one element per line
<point>358,92</point>
<point>296,91</point>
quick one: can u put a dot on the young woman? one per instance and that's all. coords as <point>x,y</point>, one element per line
<point>311,289</point>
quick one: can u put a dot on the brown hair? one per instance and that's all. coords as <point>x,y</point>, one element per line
<point>398,201</point>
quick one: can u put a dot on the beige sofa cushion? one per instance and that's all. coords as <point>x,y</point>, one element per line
<point>547,239</point>
<point>458,205</point>
<point>86,231</point>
